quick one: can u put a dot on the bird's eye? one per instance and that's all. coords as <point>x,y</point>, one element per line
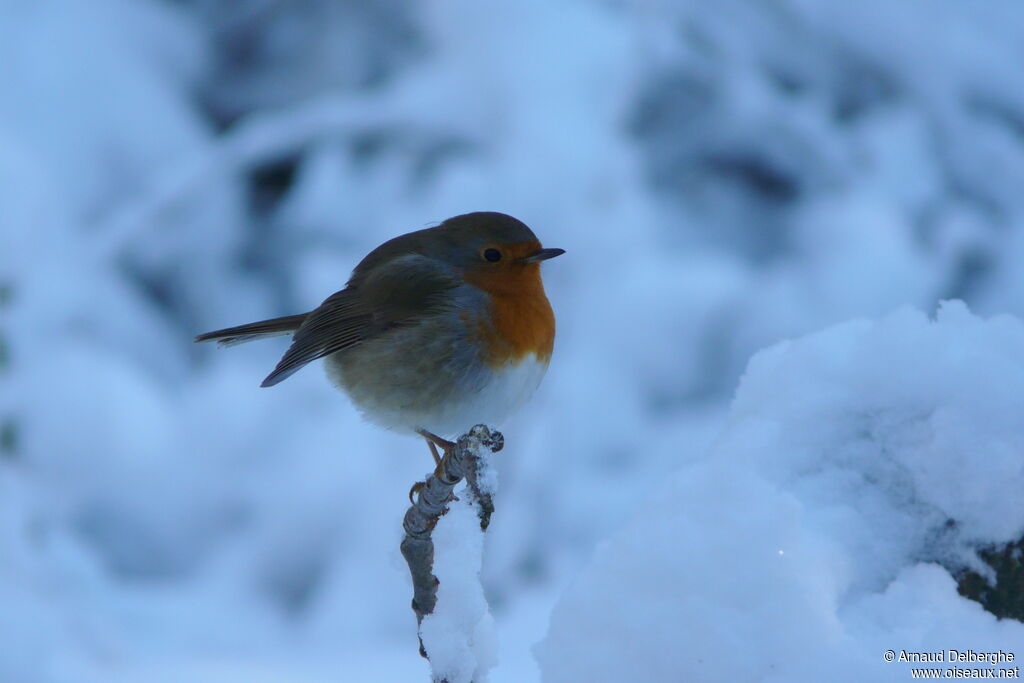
<point>492,255</point>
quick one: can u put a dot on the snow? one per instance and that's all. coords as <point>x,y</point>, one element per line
<point>459,635</point>
<point>723,177</point>
<point>858,466</point>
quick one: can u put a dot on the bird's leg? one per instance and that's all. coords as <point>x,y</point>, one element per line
<point>433,441</point>
<point>433,452</point>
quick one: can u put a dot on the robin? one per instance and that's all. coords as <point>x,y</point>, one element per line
<point>435,331</point>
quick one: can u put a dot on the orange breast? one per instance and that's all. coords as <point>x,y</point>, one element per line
<point>522,320</point>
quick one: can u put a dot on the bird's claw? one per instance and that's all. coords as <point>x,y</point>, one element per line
<point>415,489</point>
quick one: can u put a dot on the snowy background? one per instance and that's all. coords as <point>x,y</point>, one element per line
<point>724,177</point>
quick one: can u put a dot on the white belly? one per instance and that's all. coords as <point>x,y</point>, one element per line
<point>506,392</point>
<point>501,393</point>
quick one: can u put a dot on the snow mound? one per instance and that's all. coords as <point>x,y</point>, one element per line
<point>858,467</point>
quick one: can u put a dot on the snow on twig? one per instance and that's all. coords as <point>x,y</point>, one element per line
<point>443,546</point>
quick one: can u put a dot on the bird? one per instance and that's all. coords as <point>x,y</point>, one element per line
<point>435,330</point>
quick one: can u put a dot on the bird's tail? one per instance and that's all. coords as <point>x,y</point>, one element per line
<point>274,327</point>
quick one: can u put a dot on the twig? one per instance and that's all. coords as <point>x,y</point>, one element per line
<point>462,461</point>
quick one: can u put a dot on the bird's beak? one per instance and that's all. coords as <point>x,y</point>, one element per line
<point>542,255</point>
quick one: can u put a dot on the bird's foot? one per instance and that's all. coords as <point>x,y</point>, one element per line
<point>415,489</point>
<point>433,442</point>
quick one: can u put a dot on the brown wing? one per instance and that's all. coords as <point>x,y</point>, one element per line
<point>393,293</point>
